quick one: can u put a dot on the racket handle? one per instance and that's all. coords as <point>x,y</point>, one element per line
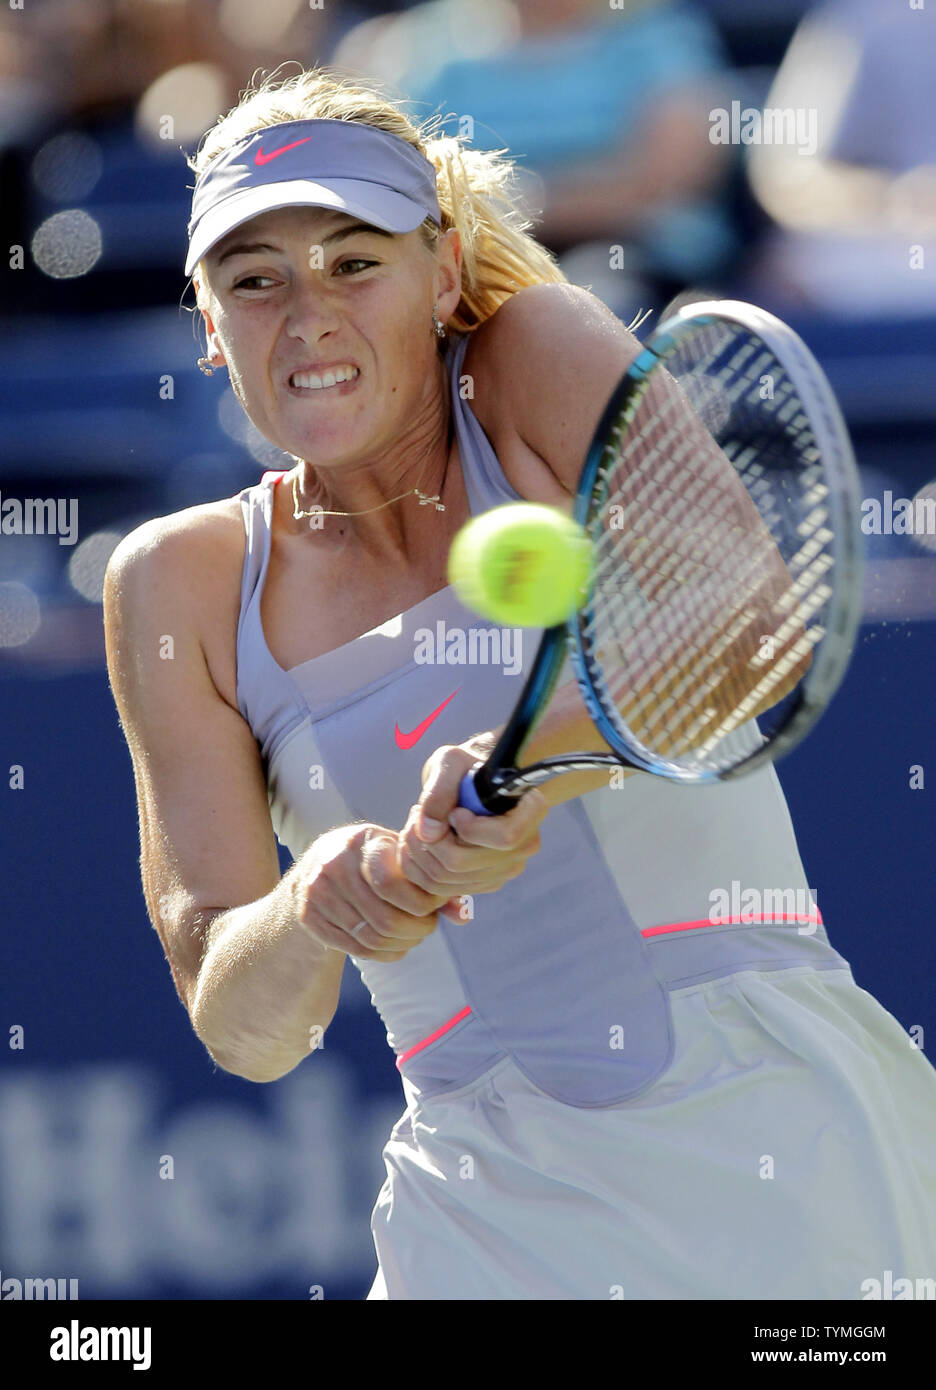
<point>468,796</point>
<point>475,785</point>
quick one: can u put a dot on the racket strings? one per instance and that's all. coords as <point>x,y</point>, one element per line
<point>646,507</point>
<point>707,599</point>
<point>715,669</point>
<point>695,628</point>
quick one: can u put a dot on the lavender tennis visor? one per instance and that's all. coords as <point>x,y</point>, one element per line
<point>344,165</point>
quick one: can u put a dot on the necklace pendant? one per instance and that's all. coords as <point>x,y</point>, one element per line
<point>424,500</point>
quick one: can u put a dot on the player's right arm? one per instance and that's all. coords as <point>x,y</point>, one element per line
<point>256,958</point>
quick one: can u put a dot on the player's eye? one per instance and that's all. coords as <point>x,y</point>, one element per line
<point>355,261</point>
<point>250,281</point>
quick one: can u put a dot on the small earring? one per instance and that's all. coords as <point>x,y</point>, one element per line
<point>205,362</point>
<point>439,327</point>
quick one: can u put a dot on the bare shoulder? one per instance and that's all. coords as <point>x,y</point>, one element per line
<point>180,575</point>
<point>188,539</point>
<point>550,324</point>
<point>543,368</point>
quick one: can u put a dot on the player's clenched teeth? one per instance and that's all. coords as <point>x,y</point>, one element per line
<point>330,378</point>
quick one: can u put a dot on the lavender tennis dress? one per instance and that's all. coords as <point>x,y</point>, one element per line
<point>616,1084</point>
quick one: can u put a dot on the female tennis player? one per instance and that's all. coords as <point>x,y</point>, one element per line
<point>606,1097</point>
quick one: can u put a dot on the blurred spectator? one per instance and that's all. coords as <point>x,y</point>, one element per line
<point>101,98</point>
<point>856,218</point>
<point>607,109</point>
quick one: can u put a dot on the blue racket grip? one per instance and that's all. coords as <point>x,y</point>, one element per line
<point>467,796</point>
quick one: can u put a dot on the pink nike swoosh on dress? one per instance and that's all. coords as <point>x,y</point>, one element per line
<point>406,741</point>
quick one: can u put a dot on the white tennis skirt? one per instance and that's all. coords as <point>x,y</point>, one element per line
<point>788,1152</point>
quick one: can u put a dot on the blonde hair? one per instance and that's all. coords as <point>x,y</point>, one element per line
<point>476,188</point>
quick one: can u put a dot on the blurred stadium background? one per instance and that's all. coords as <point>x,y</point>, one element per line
<point>608,107</point>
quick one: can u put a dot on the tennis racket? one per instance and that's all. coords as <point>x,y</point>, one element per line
<point>722,503</point>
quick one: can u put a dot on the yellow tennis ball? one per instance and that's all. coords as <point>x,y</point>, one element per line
<point>522,565</point>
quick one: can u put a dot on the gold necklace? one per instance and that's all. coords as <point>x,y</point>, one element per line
<point>320,511</point>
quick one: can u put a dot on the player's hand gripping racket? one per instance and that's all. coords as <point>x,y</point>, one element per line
<point>722,503</point>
